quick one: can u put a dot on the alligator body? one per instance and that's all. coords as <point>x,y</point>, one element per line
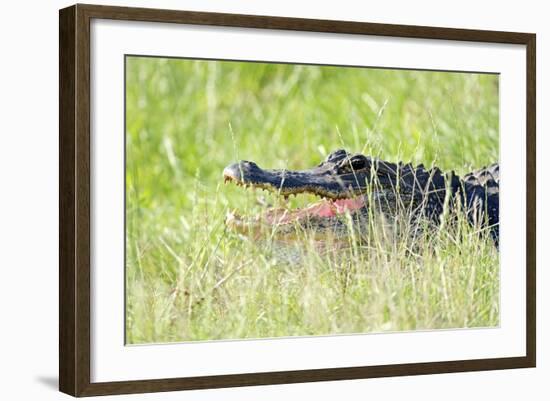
<point>352,184</point>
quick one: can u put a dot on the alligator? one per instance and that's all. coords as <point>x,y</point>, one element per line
<point>352,184</point>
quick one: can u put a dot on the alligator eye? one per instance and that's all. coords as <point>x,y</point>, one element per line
<point>355,163</point>
<point>358,163</point>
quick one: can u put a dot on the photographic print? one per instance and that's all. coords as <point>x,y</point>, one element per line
<point>269,200</point>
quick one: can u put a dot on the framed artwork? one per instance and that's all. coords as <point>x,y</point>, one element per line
<point>250,200</point>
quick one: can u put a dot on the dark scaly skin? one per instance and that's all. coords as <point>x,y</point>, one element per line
<point>481,189</point>
<point>389,186</point>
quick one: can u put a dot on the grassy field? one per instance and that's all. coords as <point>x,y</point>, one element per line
<point>189,278</point>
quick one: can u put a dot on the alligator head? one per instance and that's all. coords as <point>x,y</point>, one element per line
<point>342,181</point>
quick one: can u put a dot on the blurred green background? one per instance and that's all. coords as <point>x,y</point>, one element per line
<point>187,119</point>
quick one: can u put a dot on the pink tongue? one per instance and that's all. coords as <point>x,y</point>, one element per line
<point>349,204</point>
<point>332,208</point>
<point>324,208</point>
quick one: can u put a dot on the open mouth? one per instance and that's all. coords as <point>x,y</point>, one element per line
<point>320,214</point>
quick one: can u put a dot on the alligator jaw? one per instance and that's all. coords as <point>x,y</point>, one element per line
<point>320,181</point>
<point>322,214</point>
<point>338,196</point>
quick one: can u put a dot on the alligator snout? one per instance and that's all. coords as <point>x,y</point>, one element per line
<point>241,170</point>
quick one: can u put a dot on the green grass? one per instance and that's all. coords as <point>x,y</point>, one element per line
<point>188,278</point>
